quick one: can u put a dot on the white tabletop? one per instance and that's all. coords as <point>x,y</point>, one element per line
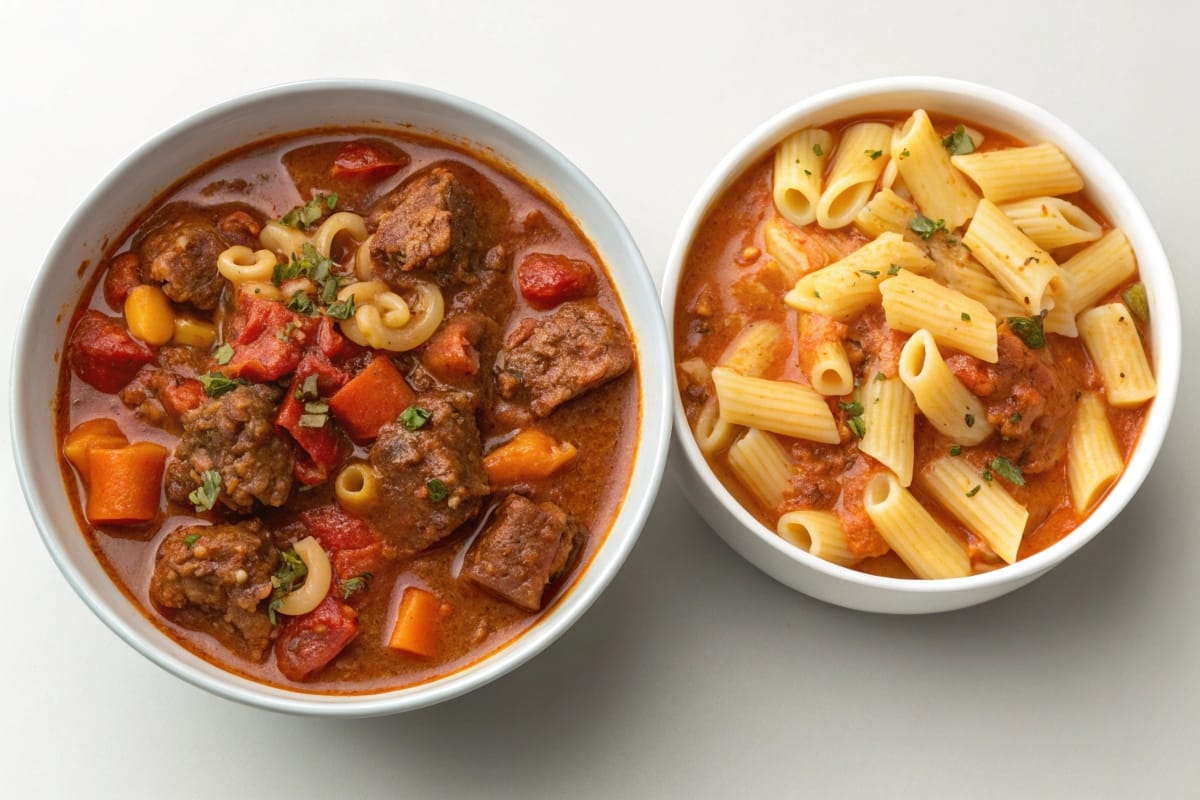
<point>694,674</point>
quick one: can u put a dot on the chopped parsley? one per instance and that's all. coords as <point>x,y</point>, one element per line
<point>857,426</point>
<point>956,449</point>
<point>190,540</point>
<point>879,376</point>
<point>216,384</point>
<point>356,584</point>
<point>1136,301</point>
<point>301,303</point>
<point>1015,418</point>
<point>309,263</point>
<point>205,495</point>
<point>926,227</point>
<point>808,172</point>
<point>904,153</point>
<point>987,475</point>
<point>874,273</point>
<point>974,490</point>
<point>343,309</point>
<point>415,417</point>
<point>224,354</point>
<point>853,408</point>
<point>437,490</point>
<point>969,419</point>
<point>873,154</point>
<point>959,142</point>
<point>1007,470</point>
<point>966,317</point>
<point>286,579</point>
<point>894,269</point>
<point>1029,329</point>
<point>285,333</point>
<point>303,217</point>
<point>818,150</point>
<point>308,389</point>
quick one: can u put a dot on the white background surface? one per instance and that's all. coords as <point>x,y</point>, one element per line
<point>694,675</point>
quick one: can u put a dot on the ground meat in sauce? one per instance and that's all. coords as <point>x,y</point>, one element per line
<point>553,359</point>
<point>525,548</point>
<point>179,250</point>
<point>234,435</point>
<point>870,342</point>
<point>160,397</point>
<point>431,479</point>
<point>816,481</point>
<point>441,220</point>
<point>215,579</point>
<point>862,537</point>
<point>1026,399</point>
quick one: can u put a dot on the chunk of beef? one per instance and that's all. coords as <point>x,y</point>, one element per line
<point>215,579</point>
<point>525,548</point>
<point>179,250</point>
<point>431,478</point>
<point>1025,399</point>
<point>441,221</point>
<point>160,396</point>
<point>550,360</point>
<point>234,435</point>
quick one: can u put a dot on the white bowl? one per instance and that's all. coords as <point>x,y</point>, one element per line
<point>846,587</point>
<point>172,155</point>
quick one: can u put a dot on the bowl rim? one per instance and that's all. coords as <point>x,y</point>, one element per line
<point>1150,256</point>
<point>653,437</point>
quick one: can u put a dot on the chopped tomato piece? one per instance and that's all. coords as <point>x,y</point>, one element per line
<point>547,280</point>
<point>353,547</point>
<point>314,434</point>
<point>365,161</point>
<point>103,354</point>
<point>310,641</point>
<point>182,395</point>
<point>269,340</point>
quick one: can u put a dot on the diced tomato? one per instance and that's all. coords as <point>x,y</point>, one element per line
<point>547,280</point>
<point>310,641</point>
<point>103,354</point>
<point>367,162</point>
<point>353,547</point>
<point>268,340</point>
<point>182,395</point>
<point>318,444</point>
<point>333,345</point>
<point>123,274</point>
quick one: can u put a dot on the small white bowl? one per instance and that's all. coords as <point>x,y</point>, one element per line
<point>175,153</point>
<point>846,587</point>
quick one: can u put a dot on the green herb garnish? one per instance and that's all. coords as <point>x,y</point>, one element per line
<point>857,426</point>
<point>966,317</point>
<point>356,584</point>
<point>307,389</point>
<point>1029,329</point>
<point>224,354</point>
<point>286,579</point>
<point>853,408</point>
<point>969,419</point>
<point>302,217</point>
<point>190,540</point>
<point>817,149</point>
<point>415,417</point>
<point>205,495</point>
<point>959,142</point>
<point>874,273</point>
<point>216,384</point>
<point>974,491</point>
<point>342,309</point>
<point>437,490</point>
<point>894,269</point>
<point>1007,470</point>
<point>956,449</point>
<point>301,303</point>
<point>873,154</point>
<point>926,227</point>
<point>1136,301</point>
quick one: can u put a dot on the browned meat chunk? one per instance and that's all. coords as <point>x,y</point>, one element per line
<point>553,359</point>
<point>526,548</point>
<point>1025,400</point>
<point>160,396</point>
<point>215,579</point>
<point>442,220</point>
<point>235,436</point>
<point>431,478</point>
<point>180,251</point>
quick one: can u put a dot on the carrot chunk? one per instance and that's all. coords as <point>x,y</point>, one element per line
<point>101,432</point>
<point>126,483</point>
<point>416,629</point>
<point>371,399</point>
<point>530,455</point>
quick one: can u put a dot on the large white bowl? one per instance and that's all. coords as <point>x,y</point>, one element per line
<point>847,587</point>
<point>172,155</point>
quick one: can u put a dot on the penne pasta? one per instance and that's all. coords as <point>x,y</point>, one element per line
<point>912,302</point>
<point>982,506</point>
<point>713,434</point>
<point>799,168</point>
<point>940,191</point>
<point>886,212</point>
<point>792,259</point>
<point>1052,222</point>
<point>818,532</point>
<point>944,401</point>
<point>1112,341</point>
<point>754,349</point>
<point>1093,458</point>
<point>1100,267</point>
<point>927,548</point>
<point>860,158</point>
<point>783,407</point>
<point>1019,172</point>
<point>1024,269</point>
<point>762,465</point>
<point>889,412</point>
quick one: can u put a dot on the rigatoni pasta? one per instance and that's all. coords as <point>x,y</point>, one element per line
<point>857,164</point>
<point>1019,172</point>
<point>938,188</point>
<point>1093,457</point>
<point>799,171</point>
<point>1112,340</point>
<point>818,532</point>
<point>783,407</point>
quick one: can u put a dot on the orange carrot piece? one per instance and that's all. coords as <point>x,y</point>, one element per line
<point>100,432</point>
<point>371,399</point>
<point>416,627</point>
<point>530,455</point>
<point>126,483</point>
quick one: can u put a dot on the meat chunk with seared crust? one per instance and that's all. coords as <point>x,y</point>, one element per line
<point>550,360</point>
<point>441,220</point>
<point>216,579</point>
<point>526,547</point>
<point>431,478</point>
<point>234,435</point>
<point>179,250</point>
